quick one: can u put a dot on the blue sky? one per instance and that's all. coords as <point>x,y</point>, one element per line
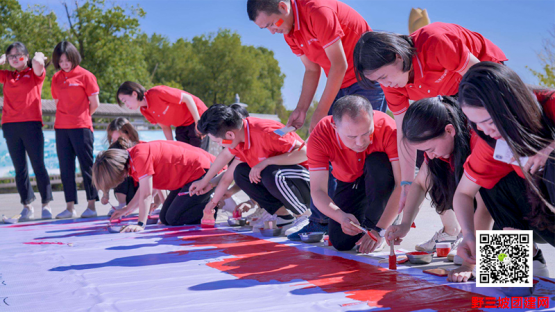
<point>517,27</point>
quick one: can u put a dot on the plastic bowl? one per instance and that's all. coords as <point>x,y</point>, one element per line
<point>270,232</point>
<point>311,237</point>
<point>417,258</point>
<point>237,221</point>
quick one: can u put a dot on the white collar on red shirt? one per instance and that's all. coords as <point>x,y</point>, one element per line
<point>247,143</point>
<point>419,65</point>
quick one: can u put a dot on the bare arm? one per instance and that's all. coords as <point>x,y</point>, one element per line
<point>338,60</point>
<point>310,84</point>
<point>391,209</point>
<point>190,102</point>
<point>38,63</point>
<point>94,102</point>
<point>167,132</point>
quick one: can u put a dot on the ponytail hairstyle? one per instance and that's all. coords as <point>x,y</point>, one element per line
<point>218,120</point>
<point>240,109</point>
<point>110,168</point>
<point>519,118</point>
<point>425,120</point>
<point>122,143</point>
<point>21,48</point>
<point>376,49</point>
<point>123,126</point>
<point>127,88</point>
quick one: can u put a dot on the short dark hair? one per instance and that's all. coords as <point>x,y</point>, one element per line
<point>23,49</point>
<point>71,52</point>
<point>240,109</point>
<point>128,87</point>
<point>219,119</point>
<point>254,7</point>
<point>351,105</point>
<point>375,49</point>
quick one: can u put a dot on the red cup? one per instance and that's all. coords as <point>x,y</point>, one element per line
<point>443,249</point>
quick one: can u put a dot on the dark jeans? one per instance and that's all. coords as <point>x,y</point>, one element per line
<point>187,134</point>
<point>26,138</point>
<point>180,210</point>
<point>69,144</point>
<point>279,186</point>
<point>128,188</point>
<point>366,198</point>
<point>508,204</point>
<point>377,98</point>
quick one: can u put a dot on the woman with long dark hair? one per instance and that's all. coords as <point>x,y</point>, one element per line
<point>438,127</point>
<point>75,91</point>
<point>22,124</point>
<point>429,62</point>
<point>503,110</point>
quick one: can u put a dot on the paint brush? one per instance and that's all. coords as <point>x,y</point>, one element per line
<point>365,231</point>
<point>283,131</point>
<point>182,193</point>
<point>392,256</point>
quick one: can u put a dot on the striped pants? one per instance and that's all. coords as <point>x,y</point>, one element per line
<point>287,186</point>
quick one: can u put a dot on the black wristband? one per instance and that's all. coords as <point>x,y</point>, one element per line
<point>141,224</point>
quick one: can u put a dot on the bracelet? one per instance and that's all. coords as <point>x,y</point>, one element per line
<point>403,183</point>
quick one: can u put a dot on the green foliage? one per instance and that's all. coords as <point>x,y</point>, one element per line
<point>212,66</point>
<point>546,75</point>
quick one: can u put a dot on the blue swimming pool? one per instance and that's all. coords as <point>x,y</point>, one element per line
<point>50,155</point>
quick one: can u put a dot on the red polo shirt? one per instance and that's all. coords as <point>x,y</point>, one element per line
<point>442,52</point>
<point>325,146</point>
<point>164,106</point>
<point>22,95</point>
<point>171,164</point>
<point>72,90</point>
<point>261,142</point>
<point>319,24</point>
<point>482,169</point>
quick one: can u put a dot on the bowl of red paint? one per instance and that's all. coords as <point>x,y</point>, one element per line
<point>443,249</point>
<point>237,221</point>
<point>420,257</point>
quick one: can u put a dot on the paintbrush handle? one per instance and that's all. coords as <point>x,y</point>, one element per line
<point>365,231</point>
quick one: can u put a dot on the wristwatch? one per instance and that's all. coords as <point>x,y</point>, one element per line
<point>141,224</point>
<point>380,231</point>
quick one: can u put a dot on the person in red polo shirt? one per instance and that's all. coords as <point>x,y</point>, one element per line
<point>75,91</point>
<point>167,107</point>
<point>22,124</point>
<point>323,34</point>
<point>428,63</point>
<point>361,145</point>
<point>271,169</point>
<point>438,127</point>
<point>504,111</point>
<point>162,165</point>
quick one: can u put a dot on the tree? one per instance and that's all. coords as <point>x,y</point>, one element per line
<point>547,59</point>
<point>106,39</point>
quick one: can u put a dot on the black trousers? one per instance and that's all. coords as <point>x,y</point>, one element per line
<point>128,188</point>
<point>69,144</point>
<point>508,204</point>
<point>187,134</point>
<point>26,138</point>
<point>287,186</point>
<point>179,210</point>
<point>366,198</point>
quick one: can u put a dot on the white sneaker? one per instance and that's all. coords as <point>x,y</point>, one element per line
<point>46,213</point>
<point>439,236</point>
<point>88,213</point>
<point>539,266</point>
<point>27,214</point>
<point>453,253</point>
<point>258,214</point>
<point>285,224</point>
<point>299,223</point>
<point>66,214</point>
<point>265,216</point>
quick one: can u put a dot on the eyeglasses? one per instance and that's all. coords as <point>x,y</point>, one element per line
<point>15,56</point>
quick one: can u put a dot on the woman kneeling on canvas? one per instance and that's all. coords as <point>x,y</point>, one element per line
<point>163,165</point>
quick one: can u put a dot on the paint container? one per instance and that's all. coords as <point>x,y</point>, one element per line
<point>420,257</point>
<point>237,213</point>
<point>443,249</point>
<point>327,241</point>
<point>311,237</point>
<point>152,220</point>
<point>208,224</point>
<point>237,221</point>
<point>270,232</point>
